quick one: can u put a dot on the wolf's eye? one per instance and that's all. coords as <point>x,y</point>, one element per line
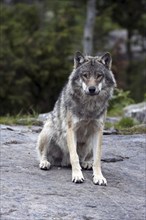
<point>85,75</point>
<point>99,76</point>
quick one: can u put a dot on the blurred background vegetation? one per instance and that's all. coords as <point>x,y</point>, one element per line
<point>39,38</point>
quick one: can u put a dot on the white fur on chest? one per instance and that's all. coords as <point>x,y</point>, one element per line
<point>85,128</point>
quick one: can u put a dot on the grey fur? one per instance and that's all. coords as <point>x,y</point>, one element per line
<point>86,109</point>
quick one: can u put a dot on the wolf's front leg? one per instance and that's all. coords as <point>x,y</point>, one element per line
<point>42,147</point>
<point>98,178</point>
<point>77,175</point>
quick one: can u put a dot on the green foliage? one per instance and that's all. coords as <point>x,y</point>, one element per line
<point>35,56</point>
<point>125,122</point>
<point>137,129</point>
<point>129,67</point>
<point>142,24</point>
<point>108,125</point>
<point>137,79</point>
<point>120,100</point>
<point>38,39</point>
<point>103,25</point>
<point>128,14</point>
<point>126,125</point>
<point>20,120</point>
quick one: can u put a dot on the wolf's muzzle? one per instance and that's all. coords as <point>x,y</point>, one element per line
<point>92,89</point>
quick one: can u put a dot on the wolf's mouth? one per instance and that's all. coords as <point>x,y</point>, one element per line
<point>93,94</point>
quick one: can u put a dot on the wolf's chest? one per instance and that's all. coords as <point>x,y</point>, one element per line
<point>84,129</point>
<point>89,108</point>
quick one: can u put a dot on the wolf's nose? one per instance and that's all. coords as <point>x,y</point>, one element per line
<point>92,89</point>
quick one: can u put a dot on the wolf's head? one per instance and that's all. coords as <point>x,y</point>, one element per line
<point>93,74</point>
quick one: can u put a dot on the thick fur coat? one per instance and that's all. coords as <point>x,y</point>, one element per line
<point>73,131</point>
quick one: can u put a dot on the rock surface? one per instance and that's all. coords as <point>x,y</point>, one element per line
<point>32,194</point>
<point>136,111</point>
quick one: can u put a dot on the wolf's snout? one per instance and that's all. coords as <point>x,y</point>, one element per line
<point>92,89</point>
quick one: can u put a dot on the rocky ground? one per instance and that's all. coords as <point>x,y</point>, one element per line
<point>28,193</point>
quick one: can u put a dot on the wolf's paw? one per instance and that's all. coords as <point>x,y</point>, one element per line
<point>87,165</point>
<point>44,165</point>
<point>77,177</point>
<point>99,180</point>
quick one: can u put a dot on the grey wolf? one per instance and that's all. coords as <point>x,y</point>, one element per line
<point>72,134</point>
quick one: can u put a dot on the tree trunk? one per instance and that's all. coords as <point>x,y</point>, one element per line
<point>129,52</point>
<point>130,58</point>
<point>89,27</point>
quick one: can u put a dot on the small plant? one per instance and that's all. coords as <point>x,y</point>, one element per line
<point>125,123</point>
<point>137,129</point>
<point>108,125</point>
<point>120,100</point>
<point>29,119</point>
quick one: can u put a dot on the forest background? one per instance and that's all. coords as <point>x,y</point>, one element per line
<point>38,40</point>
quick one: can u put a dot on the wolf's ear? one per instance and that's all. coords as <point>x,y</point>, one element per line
<point>106,59</point>
<point>78,59</point>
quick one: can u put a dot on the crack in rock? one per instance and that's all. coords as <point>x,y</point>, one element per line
<point>114,159</point>
<point>12,142</point>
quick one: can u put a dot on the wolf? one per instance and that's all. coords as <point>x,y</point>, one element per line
<point>72,134</point>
